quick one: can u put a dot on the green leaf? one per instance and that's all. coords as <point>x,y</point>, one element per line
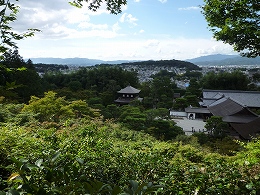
<point>39,162</point>
<point>80,161</point>
<point>55,156</point>
<point>12,192</point>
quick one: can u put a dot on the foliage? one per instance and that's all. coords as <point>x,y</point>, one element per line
<point>192,75</point>
<point>18,80</point>
<point>202,137</point>
<point>216,126</point>
<point>102,81</point>
<point>192,100</point>
<point>8,14</point>
<point>11,113</point>
<point>113,6</point>
<point>52,108</point>
<point>251,153</point>
<point>133,117</point>
<point>235,23</point>
<point>164,63</point>
<point>194,87</point>
<point>102,155</point>
<point>235,80</point>
<point>158,93</point>
<point>70,148</point>
<point>160,113</point>
<point>164,129</point>
<point>154,121</point>
<point>51,176</point>
<point>180,104</point>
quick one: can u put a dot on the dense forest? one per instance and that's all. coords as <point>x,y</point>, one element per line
<point>63,134</point>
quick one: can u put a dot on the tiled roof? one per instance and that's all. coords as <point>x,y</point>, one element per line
<point>232,111</point>
<point>129,90</point>
<point>249,129</point>
<point>197,110</point>
<point>225,107</point>
<point>123,100</point>
<point>245,98</point>
<point>238,119</point>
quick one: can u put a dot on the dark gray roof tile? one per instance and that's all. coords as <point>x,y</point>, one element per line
<point>246,98</point>
<point>130,90</point>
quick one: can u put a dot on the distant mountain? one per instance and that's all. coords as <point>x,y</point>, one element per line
<point>74,61</point>
<point>222,60</point>
<point>210,60</point>
<point>215,57</point>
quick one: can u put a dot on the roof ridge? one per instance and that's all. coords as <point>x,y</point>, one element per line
<point>229,90</point>
<point>236,101</point>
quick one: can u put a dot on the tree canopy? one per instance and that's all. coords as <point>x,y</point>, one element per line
<point>113,6</point>
<point>8,14</point>
<point>236,23</point>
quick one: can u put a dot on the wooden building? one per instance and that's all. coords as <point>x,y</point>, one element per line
<point>127,95</point>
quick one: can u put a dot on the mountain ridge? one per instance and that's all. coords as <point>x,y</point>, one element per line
<point>75,61</point>
<point>222,60</point>
<point>209,60</point>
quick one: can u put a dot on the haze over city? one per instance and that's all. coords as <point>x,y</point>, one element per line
<point>146,29</point>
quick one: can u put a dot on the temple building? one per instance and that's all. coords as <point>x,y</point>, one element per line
<point>128,94</point>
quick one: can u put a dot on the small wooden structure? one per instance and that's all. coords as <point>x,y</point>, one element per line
<point>126,95</point>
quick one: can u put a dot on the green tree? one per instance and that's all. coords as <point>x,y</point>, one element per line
<point>235,23</point>
<point>160,113</point>
<point>132,117</point>
<point>21,80</point>
<point>111,111</point>
<point>158,93</point>
<point>164,129</point>
<point>180,104</point>
<point>49,108</point>
<point>235,80</point>
<point>194,87</point>
<point>8,14</point>
<point>216,126</point>
<point>192,100</point>
<point>75,85</point>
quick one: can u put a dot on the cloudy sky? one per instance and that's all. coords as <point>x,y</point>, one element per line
<point>146,29</point>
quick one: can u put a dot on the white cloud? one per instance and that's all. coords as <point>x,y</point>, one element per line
<point>122,18</point>
<point>87,25</point>
<point>189,8</point>
<point>131,19</point>
<point>127,49</point>
<point>128,18</point>
<point>151,43</point>
<point>85,36</point>
<point>137,1</point>
<point>116,27</point>
<point>163,1</point>
<point>61,20</point>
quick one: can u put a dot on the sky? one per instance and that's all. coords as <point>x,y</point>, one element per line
<point>145,30</point>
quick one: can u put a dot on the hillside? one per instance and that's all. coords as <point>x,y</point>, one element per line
<point>222,60</point>
<point>163,64</point>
